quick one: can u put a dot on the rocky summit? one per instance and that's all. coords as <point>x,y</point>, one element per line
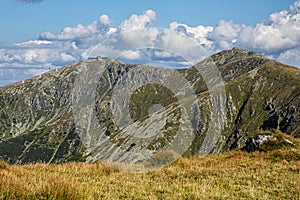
<point>103,109</point>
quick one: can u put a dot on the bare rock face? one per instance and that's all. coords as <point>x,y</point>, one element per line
<point>105,109</point>
<point>267,141</point>
<point>255,143</point>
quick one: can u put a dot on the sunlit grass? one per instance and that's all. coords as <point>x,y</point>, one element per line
<point>233,175</point>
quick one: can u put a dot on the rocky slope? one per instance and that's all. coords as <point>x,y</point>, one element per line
<point>105,109</point>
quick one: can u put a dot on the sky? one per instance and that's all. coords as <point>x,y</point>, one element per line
<point>38,35</point>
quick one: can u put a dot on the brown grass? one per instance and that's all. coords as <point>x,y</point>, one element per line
<point>233,175</point>
<point>3,165</point>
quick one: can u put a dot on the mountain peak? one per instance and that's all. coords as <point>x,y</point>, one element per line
<point>235,54</point>
<point>235,62</point>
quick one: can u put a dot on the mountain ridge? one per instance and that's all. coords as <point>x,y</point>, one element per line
<point>38,124</point>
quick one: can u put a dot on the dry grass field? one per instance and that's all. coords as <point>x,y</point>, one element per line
<point>232,175</point>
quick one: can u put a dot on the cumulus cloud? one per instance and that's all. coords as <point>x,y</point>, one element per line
<point>200,33</point>
<point>290,57</point>
<point>279,33</point>
<point>139,21</point>
<point>225,34</point>
<point>134,39</point>
<point>92,30</point>
<point>105,20</point>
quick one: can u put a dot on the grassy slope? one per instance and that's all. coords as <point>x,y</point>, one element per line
<point>232,175</point>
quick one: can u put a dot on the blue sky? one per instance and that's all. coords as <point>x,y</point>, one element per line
<point>21,21</point>
<point>40,34</point>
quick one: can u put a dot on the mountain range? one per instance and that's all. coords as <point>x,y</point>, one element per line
<point>103,109</point>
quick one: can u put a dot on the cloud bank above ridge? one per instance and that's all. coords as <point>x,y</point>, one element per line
<point>277,37</point>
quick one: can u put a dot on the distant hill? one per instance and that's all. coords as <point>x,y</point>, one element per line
<point>46,118</point>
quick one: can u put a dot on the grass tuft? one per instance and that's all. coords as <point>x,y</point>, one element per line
<point>3,165</point>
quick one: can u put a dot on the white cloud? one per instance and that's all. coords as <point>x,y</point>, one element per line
<point>139,21</point>
<point>180,44</point>
<point>290,57</point>
<point>80,31</point>
<point>105,20</point>
<point>130,35</point>
<point>131,55</point>
<point>34,42</point>
<point>278,37</point>
<point>281,32</point>
<point>199,33</point>
<point>70,33</point>
<point>34,56</point>
<point>225,34</point>
<point>164,54</point>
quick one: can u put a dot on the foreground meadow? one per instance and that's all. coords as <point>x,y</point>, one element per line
<point>232,175</point>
